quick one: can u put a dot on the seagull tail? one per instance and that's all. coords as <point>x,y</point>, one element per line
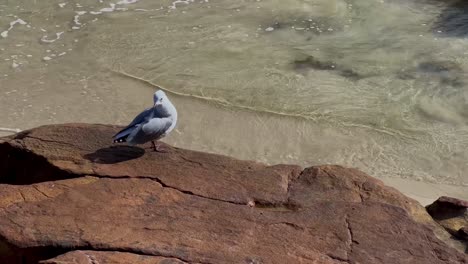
<point>122,135</point>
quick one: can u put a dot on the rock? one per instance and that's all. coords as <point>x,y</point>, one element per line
<point>452,214</point>
<point>447,72</point>
<point>108,257</point>
<point>313,63</point>
<point>451,20</point>
<point>439,67</point>
<point>463,233</point>
<point>68,196</point>
<point>452,203</point>
<point>310,62</point>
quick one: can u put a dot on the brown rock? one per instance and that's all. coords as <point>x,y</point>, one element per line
<point>66,188</point>
<point>452,203</point>
<point>463,233</point>
<point>451,213</point>
<point>108,257</point>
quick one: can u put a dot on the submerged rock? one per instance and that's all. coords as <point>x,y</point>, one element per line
<point>440,67</point>
<point>69,196</point>
<point>449,75</point>
<point>312,63</point>
<point>453,20</point>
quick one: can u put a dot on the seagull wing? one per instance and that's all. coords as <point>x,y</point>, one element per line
<point>138,120</point>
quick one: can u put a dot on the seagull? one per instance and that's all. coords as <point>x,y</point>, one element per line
<point>152,124</point>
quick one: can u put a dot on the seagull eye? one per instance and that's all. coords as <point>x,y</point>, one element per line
<point>160,99</point>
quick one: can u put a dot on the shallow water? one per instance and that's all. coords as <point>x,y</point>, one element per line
<point>379,85</point>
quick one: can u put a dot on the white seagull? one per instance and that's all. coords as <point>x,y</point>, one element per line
<point>152,124</point>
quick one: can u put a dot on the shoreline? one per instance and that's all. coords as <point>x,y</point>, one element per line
<point>425,192</point>
<point>243,134</point>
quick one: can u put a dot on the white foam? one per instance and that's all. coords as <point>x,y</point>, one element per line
<point>47,58</point>
<point>62,5</point>
<point>108,9</point>
<point>176,2</point>
<point>4,34</point>
<point>77,17</point>
<point>58,34</point>
<point>126,2</point>
<point>112,8</point>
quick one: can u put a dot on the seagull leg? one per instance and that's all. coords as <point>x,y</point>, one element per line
<point>155,148</point>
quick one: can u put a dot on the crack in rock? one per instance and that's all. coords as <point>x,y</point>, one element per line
<point>141,252</point>
<point>93,260</point>
<point>350,240</point>
<point>341,260</point>
<point>22,195</point>
<point>167,186</point>
<point>192,161</point>
<point>69,175</point>
<point>43,193</point>
<point>295,226</point>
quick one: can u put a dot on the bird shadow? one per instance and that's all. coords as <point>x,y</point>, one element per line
<point>115,154</point>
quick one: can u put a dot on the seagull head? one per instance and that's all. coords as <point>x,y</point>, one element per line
<point>159,97</point>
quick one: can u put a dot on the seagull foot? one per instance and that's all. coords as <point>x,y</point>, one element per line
<point>157,147</point>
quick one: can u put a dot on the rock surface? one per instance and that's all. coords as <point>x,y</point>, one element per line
<point>109,257</point>
<point>68,196</point>
<point>452,214</point>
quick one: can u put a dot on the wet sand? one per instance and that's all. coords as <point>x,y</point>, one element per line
<point>208,127</point>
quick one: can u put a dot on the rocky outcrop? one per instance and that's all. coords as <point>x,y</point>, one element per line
<point>69,196</point>
<point>452,214</point>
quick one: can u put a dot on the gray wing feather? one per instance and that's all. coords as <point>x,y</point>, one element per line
<point>154,129</point>
<point>143,116</point>
<point>140,118</point>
